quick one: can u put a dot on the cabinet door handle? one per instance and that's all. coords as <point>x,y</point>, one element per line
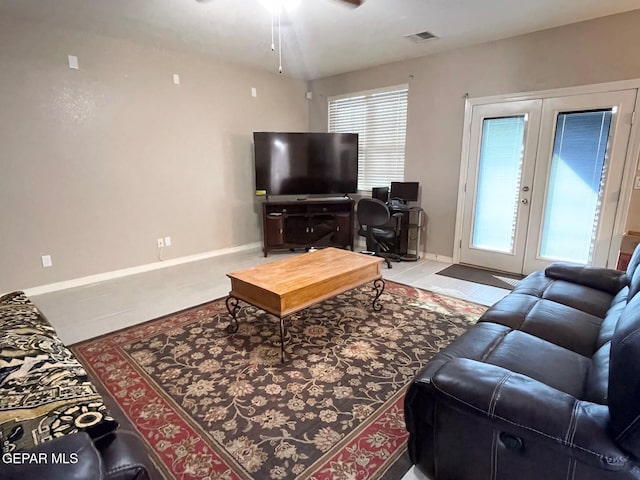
<point>280,231</point>
<point>338,228</point>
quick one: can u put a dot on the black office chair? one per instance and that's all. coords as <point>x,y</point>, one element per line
<point>378,226</point>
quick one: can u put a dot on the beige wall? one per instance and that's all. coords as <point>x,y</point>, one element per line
<point>97,163</point>
<point>597,51</point>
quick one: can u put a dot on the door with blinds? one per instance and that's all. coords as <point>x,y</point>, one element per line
<point>543,180</point>
<point>379,117</point>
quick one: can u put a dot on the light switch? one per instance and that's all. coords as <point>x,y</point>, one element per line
<point>176,79</point>
<point>254,92</point>
<point>46,261</point>
<point>73,62</point>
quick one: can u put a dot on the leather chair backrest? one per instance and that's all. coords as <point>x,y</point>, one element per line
<point>371,211</point>
<point>624,381</point>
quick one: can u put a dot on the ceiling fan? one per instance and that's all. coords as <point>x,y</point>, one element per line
<point>355,3</point>
<point>276,7</point>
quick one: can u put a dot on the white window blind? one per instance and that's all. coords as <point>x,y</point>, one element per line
<point>380,120</point>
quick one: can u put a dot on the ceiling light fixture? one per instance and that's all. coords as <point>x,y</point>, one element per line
<point>276,7</point>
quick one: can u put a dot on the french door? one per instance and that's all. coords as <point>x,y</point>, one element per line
<point>543,179</point>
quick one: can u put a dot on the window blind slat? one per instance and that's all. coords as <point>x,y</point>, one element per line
<point>380,119</point>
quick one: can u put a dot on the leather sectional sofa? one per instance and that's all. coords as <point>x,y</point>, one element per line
<point>545,386</point>
<point>53,422</point>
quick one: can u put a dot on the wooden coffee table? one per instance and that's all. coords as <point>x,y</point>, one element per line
<point>287,286</point>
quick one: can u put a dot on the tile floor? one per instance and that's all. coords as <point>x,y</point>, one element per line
<point>92,310</point>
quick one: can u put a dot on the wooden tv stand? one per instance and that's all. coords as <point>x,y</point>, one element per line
<point>308,223</point>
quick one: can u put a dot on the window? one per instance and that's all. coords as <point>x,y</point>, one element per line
<point>380,119</point>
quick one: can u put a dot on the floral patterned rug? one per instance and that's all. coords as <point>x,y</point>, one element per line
<point>214,405</point>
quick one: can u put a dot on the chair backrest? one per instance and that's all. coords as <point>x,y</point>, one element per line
<point>371,211</point>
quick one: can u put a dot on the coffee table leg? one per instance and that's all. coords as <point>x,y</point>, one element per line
<point>233,307</point>
<point>281,339</point>
<point>378,285</point>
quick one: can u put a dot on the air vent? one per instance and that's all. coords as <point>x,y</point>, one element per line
<point>421,37</point>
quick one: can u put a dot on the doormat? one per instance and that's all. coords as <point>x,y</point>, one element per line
<point>481,275</point>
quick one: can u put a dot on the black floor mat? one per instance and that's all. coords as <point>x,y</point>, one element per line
<point>480,275</point>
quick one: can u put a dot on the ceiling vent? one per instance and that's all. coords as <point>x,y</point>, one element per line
<point>421,37</point>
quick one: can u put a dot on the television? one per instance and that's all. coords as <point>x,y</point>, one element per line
<point>293,163</point>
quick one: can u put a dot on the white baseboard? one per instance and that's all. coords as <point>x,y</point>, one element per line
<point>101,277</point>
<point>436,257</point>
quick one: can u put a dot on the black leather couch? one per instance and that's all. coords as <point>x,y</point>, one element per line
<point>545,386</point>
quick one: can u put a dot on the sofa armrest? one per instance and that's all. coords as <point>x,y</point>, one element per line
<point>605,279</point>
<point>124,456</point>
<point>70,457</point>
<point>526,409</point>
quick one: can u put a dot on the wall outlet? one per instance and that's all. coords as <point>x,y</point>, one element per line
<point>160,242</point>
<point>46,261</point>
<point>167,241</point>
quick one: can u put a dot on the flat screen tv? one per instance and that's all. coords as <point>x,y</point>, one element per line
<point>306,163</point>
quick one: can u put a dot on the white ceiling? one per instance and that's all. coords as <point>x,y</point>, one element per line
<point>320,37</point>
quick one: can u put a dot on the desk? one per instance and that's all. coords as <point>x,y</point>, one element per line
<point>412,219</point>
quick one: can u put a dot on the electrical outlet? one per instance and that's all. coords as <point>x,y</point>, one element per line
<point>160,242</point>
<point>46,261</point>
<point>167,241</point>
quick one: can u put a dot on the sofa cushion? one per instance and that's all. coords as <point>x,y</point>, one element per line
<point>624,381</point>
<point>555,322</point>
<point>633,264</point>
<point>581,297</point>
<point>598,376</point>
<point>45,390</point>
<point>539,359</point>
<point>604,279</point>
<point>634,282</point>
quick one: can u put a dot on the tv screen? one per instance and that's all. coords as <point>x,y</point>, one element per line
<point>306,163</point>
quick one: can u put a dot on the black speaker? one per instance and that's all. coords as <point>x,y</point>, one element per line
<point>381,193</point>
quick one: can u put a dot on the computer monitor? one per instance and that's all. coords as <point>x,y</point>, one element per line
<point>405,191</point>
<point>381,193</point>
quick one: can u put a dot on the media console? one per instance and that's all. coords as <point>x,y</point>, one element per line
<point>307,223</point>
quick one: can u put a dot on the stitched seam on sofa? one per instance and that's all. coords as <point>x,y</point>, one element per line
<point>571,470</point>
<point>573,423</point>
<point>490,349</point>
<point>122,468</point>
<point>495,394</point>
<point>494,456</point>
<point>628,430</point>
<point>531,307</point>
<point>552,437</point>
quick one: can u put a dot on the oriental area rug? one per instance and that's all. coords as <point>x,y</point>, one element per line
<point>214,405</point>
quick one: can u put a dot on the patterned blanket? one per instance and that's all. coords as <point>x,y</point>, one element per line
<point>44,390</point>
